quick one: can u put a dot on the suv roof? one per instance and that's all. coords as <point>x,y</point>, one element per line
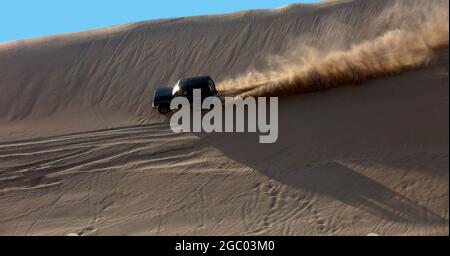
<point>190,82</point>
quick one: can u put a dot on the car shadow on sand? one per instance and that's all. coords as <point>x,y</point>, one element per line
<point>330,178</point>
<point>316,140</point>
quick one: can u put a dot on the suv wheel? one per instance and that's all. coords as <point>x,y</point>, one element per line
<point>163,109</point>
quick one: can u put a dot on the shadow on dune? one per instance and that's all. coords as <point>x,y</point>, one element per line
<point>398,120</point>
<point>331,179</point>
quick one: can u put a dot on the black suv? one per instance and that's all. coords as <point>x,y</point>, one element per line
<point>183,88</point>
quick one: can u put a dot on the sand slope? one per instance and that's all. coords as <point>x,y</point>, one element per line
<point>83,152</point>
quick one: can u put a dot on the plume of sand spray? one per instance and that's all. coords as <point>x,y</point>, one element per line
<point>395,51</point>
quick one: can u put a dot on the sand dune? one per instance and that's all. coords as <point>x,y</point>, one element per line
<point>82,152</point>
<point>108,76</point>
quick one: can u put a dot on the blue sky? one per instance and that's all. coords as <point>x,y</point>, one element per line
<point>30,18</point>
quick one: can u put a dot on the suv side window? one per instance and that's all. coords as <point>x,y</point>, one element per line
<point>212,86</point>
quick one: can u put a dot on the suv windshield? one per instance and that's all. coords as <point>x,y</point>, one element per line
<point>176,88</point>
